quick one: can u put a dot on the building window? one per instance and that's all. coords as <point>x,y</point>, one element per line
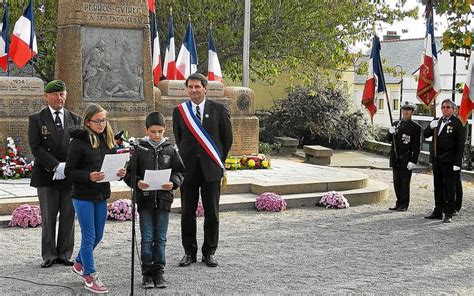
<point>395,98</point>
<point>381,104</point>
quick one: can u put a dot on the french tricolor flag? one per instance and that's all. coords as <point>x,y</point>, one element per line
<point>169,65</point>
<point>23,47</point>
<point>429,78</point>
<point>155,43</point>
<point>4,42</point>
<point>186,63</point>
<point>213,66</point>
<point>467,102</point>
<point>375,78</point>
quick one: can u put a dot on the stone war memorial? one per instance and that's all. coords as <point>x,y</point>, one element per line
<point>104,56</point>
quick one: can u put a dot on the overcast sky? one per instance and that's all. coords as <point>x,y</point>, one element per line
<point>409,28</point>
<point>415,28</point>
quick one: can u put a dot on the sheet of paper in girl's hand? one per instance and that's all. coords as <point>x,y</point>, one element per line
<point>156,178</point>
<point>112,164</point>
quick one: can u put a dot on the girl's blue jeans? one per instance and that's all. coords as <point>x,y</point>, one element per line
<point>92,216</point>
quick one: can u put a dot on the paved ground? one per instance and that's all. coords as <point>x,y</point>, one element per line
<point>362,250</point>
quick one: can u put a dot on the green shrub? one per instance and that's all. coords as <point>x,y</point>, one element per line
<point>267,148</point>
<point>318,114</point>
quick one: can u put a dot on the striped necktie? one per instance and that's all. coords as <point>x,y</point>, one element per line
<point>198,113</point>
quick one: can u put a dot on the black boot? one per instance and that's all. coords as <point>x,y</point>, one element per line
<point>148,282</point>
<point>158,278</point>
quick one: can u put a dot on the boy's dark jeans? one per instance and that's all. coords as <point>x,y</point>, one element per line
<point>153,228</point>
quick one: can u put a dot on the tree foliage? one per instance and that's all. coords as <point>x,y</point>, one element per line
<point>317,114</point>
<point>458,35</point>
<point>302,35</point>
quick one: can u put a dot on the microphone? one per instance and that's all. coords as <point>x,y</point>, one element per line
<point>119,136</point>
<point>122,145</point>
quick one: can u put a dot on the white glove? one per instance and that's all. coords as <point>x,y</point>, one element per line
<point>434,123</point>
<point>392,130</point>
<point>60,168</point>
<point>59,173</point>
<point>410,166</point>
<point>58,176</point>
<point>456,168</point>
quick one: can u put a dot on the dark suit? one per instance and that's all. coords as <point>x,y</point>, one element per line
<point>450,145</point>
<point>49,148</point>
<point>407,141</point>
<point>459,190</point>
<point>202,173</point>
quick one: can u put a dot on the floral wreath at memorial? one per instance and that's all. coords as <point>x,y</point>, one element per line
<point>13,165</point>
<point>248,162</point>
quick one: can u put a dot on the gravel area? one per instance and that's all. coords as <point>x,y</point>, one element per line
<point>361,250</point>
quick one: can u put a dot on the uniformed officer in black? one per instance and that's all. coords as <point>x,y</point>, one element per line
<point>459,190</point>
<point>404,154</point>
<point>447,161</point>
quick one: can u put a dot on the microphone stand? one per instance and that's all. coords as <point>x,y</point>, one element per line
<point>134,183</point>
<point>134,147</point>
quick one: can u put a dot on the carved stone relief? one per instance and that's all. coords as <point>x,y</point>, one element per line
<point>112,64</point>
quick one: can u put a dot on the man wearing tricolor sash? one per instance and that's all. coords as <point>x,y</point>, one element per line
<point>203,133</point>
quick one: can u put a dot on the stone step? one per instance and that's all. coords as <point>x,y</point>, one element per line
<point>374,192</point>
<point>285,177</point>
<point>7,205</point>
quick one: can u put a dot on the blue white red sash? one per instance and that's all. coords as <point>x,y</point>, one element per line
<point>198,131</point>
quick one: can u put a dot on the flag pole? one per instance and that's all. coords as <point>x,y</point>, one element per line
<point>382,78</point>
<point>429,13</point>
<point>190,55</point>
<point>32,24</point>
<point>7,43</point>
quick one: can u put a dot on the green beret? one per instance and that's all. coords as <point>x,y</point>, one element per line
<point>55,86</point>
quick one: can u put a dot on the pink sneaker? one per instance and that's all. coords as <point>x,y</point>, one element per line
<point>77,268</point>
<point>93,284</point>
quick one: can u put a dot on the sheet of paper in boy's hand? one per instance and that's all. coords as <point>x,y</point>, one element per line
<point>156,178</point>
<point>112,164</point>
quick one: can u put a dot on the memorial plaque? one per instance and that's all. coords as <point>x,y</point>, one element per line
<point>21,86</point>
<point>245,130</point>
<point>178,88</point>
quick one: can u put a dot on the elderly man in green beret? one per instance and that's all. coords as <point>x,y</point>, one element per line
<point>48,137</point>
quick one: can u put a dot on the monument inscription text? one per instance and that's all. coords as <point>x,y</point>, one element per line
<point>123,12</point>
<point>20,86</point>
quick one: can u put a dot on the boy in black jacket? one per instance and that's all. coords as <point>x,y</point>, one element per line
<point>154,152</point>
